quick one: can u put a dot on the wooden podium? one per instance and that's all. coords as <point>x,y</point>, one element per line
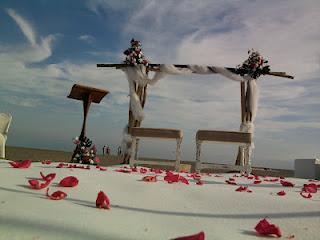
<point>87,95</point>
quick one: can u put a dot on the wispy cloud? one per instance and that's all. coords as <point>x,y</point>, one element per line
<point>24,26</point>
<point>87,38</point>
<point>38,50</point>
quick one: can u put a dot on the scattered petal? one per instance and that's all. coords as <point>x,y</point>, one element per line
<point>156,170</point>
<point>143,170</point>
<point>171,177</point>
<point>35,184</point>
<point>46,162</point>
<point>231,182</point>
<point>271,180</point>
<point>183,180</point>
<point>149,179</point>
<point>123,170</point>
<point>286,183</point>
<point>97,159</point>
<point>103,169</point>
<point>49,177</point>
<point>313,180</point>
<point>243,189</point>
<point>310,188</point>
<point>257,182</point>
<point>21,164</point>
<point>198,236</point>
<point>102,201</point>
<point>199,182</point>
<point>303,194</point>
<point>281,193</point>
<point>70,181</point>
<point>265,228</point>
<point>58,195</point>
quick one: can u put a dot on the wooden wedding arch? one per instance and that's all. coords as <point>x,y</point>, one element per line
<point>246,114</point>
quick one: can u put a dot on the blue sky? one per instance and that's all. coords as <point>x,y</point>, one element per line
<point>47,46</point>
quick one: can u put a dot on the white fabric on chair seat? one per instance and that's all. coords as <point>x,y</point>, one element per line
<point>5,120</point>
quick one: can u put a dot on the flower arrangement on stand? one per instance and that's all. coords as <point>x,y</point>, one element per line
<point>84,153</point>
<point>254,66</point>
<point>134,54</point>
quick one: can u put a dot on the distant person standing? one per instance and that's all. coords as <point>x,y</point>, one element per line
<point>119,151</point>
<point>103,149</point>
<point>108,150</point>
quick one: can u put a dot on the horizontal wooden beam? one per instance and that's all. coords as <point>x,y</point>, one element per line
<point>155,132</point>
<point>223,136</point>
<point>156,68</point>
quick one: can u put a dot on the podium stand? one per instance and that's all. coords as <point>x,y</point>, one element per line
<point>87,95</point>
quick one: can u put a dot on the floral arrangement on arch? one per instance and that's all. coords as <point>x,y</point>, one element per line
<point>254,66</point>
<point>84,153</point>
<point>134,54</point>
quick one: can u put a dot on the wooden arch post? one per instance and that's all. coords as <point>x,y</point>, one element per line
<point>142,94</point>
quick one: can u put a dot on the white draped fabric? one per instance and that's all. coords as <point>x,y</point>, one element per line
<point>137,75</point>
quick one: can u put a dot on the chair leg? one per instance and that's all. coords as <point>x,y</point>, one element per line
<point>198,153</point>
<point>133,152</point>
<point>178,154</point>
<point>248,155</point>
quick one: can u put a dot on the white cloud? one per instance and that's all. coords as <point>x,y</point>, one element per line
<point>37,51</point>
<point>87,38</point>
<point>25,27</point>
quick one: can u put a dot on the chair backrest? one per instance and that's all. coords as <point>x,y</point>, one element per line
<point>5,120</point>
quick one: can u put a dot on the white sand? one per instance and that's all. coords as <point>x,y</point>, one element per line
<point>142,210</point>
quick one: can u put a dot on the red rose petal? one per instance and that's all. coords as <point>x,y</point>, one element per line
<point>281,193</point>
<point>303,194</point>
<point>123,170</point>
<point>231,182</point>
<point>265,228</point>
<point>21,164</point>
<point>171,177</point>
<point>70,181</point>
<point>149,179</point>
<point>313,180</point>
<point>198,236</point>
<point>58,195</point>
<point>143,170</point>
<point>286,183</point>
<point>46,162</point>
<point>183,180</point>
<point>257,182</point>
<point>199,182</point>
<point>49,177</point>
<point>241,189</point>
<point>102,201</point>
<point>35,184</point>
<point>103,169</point>
<point>310,188</point>
<point>97,160</point>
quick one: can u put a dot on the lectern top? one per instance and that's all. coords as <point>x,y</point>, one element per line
<point>80,92</point>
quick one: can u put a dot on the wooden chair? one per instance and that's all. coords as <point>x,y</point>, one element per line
<point>242,138</point>
<point>137,133</point>
<point>5,121</point>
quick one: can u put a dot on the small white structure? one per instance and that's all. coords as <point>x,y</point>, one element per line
<point>5,120</point>
<point>307,168</point>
